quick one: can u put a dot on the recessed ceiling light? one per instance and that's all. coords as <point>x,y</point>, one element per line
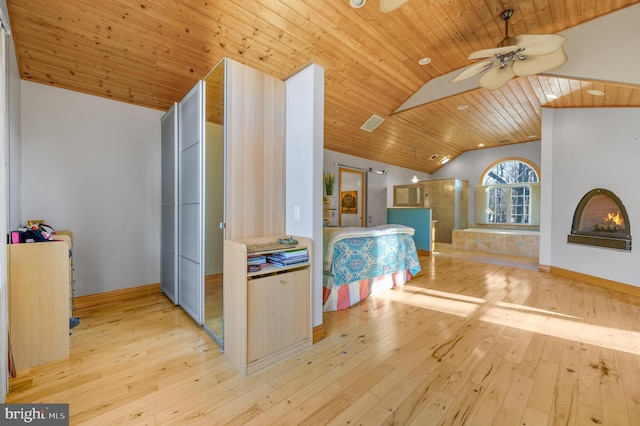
<point>424,61</point>
<point>462,107</point>
<point>356,4</point>
<point>480,144</point>
<point>595,92</point>
<point>532,136</point>
<point>433,157</point>
<point>550,96</point>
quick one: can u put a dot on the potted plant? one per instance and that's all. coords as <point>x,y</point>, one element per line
<point>329,182</point>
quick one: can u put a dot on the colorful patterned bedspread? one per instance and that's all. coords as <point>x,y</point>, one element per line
<point>359,258</point>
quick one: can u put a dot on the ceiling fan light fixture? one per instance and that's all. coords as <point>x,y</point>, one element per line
<point>519,56</point>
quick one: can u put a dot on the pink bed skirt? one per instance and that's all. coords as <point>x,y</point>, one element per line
<point>342,297</point>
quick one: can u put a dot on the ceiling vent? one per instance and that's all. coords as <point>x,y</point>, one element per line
<point>371,124</point>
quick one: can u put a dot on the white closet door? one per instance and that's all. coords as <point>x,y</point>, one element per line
<point>190,241</point>
<point>169,204</point>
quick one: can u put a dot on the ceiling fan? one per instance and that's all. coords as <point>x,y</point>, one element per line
<point>520,56</point>
<point>385,6</point>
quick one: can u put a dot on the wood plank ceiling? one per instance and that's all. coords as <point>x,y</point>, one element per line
<point>151,52</point>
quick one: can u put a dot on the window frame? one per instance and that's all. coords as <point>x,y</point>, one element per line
<point>531,209</point>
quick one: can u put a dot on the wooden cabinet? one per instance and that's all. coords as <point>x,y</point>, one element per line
<point>278,312</point>
<point>38,283</point>
<point>267,313</point>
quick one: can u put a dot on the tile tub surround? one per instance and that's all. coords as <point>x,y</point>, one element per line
<point>501,241</point>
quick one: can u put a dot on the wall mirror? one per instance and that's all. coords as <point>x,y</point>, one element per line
<point>351,198</point>
<point>408,195</point>
<point>214,201</point>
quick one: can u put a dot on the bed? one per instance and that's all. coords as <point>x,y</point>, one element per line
<point>358,262</point>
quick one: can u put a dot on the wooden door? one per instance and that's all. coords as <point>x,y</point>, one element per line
<point>351,198</point>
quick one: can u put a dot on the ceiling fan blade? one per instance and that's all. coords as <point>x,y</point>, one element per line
<point>495,78</point>
<point>474,69</point>
<point>387,6</point>
<point>489,53</point>
<point>538,64</point>
<point>539,44</point>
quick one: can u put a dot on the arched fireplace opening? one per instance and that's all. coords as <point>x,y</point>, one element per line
<point>601,220</point>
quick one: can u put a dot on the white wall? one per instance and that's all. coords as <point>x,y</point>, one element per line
<point>304,142</point>
<point>470,165</point>
<point>395,175</point>
<point>92,165</point>
<point>591,148</point>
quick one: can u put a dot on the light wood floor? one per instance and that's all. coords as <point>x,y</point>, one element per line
<point>463,343</point>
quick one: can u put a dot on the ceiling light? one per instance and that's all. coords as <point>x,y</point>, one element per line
<point>415,179</point>
<point>356,4</point>
<point>532,136</point>
<point>433,157</point>
<point>462,107</point>
<point>595,92</point>
<point>480,144</point>
<point>445,160</point>
<point>550,96</point>
<point>424,61</point>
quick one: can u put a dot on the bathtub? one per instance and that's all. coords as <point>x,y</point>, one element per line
<point>501,241</point>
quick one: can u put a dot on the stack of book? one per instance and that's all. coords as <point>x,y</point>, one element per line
<point>255,263</point>
<point>290,257</point>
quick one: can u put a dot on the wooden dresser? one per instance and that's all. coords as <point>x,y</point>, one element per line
<point>38,285</point>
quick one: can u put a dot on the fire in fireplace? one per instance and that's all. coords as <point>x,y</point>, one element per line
<point>601,220</point>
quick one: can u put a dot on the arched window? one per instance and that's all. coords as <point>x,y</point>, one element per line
<point>509,193</point>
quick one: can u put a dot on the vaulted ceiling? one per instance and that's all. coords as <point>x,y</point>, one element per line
<point>151,52</point>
